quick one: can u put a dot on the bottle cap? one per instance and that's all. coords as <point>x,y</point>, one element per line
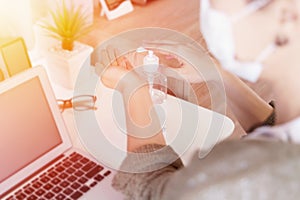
<point>151,62</point>
<point>141,50</point>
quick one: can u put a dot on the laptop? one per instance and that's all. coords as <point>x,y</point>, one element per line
<point>38,160</point>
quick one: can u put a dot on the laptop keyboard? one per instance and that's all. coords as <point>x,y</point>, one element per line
<point>69,180</point>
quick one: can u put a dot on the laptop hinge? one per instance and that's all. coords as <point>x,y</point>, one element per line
<point>32,175</point>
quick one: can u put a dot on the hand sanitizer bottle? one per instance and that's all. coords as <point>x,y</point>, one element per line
<point>151,63</point>
<point>157,81</point>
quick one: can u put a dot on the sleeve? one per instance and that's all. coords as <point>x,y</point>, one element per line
<point>145,172</point>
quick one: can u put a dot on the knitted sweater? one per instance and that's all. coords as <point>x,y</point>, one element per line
<point>246,169</point>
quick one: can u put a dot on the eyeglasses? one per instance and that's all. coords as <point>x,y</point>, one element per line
<point>79,103</point>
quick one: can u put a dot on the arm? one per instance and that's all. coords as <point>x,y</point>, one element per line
<point>247,106</point>
<point>149,163</point>
<point>142,122</point>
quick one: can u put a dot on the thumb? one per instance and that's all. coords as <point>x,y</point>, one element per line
<point>99,68</point>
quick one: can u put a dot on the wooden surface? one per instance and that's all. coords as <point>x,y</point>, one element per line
<point>182,16</point>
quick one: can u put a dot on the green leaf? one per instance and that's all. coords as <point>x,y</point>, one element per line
<point>67,22</point>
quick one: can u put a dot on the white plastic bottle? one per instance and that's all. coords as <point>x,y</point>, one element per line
<point>157,85</point>
<point>157,81</point>
<point>151,63</point>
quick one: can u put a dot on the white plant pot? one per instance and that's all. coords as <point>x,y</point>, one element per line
<point>43,42</point>
<point>63,66</point>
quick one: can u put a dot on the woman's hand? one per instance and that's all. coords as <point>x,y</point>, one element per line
<point>116,72</point>
<point>142,123</point>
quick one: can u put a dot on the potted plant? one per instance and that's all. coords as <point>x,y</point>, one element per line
<point>65,58</point>
<point>67,24</point>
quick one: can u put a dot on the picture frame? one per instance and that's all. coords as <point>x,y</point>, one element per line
<point>115,8</point>
<point>1,76</point>
<point>10,50</point>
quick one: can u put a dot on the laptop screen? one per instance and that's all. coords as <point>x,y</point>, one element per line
<point>27,127</point>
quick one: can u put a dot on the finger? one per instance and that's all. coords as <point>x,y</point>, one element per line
<point>128,65</point>
<point>96,56</point>
<point>104,58</point>
<point>117,59</point>
<point>99,68</point>
<point>117,56</point>
<point>111,54</point>
<point>124,63</point>
<point>169,60</point>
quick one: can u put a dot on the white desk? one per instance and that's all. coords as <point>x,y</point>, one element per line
<point>188,127</point>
